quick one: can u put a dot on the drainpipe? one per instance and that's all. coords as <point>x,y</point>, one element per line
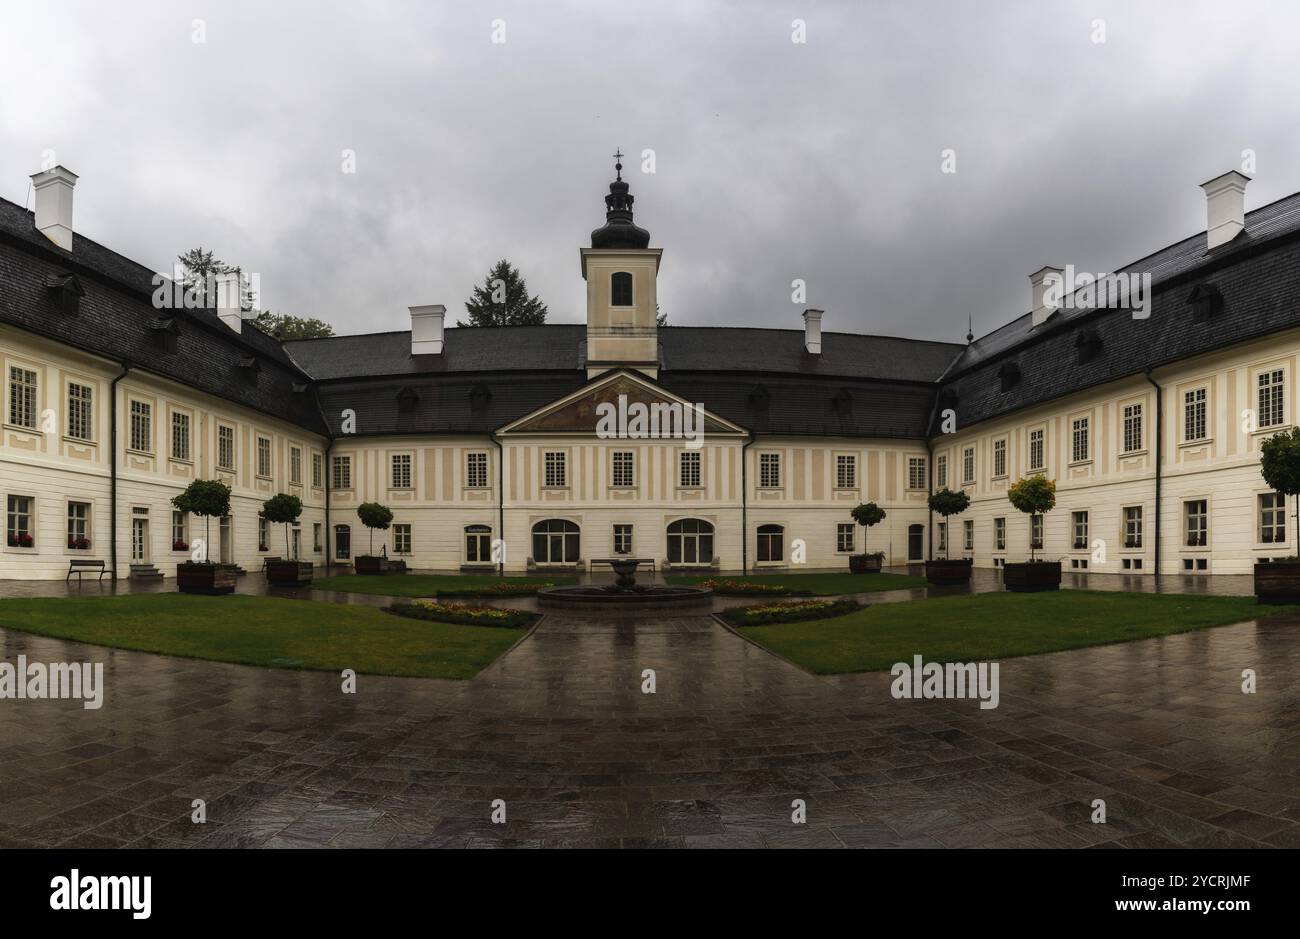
<point>325,471</point>
<point>112,469</point>
<point>929,465</point>
<point>501,500</point>
<point>744,509</point>
<point>1160,426</point>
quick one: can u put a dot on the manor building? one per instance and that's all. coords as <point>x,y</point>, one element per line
<point>485,442</point>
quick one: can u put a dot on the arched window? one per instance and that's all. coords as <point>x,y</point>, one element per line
<point>478,544</point>
<point>342,542</point>
<point>555,541</point>
<point>690,541</point>
<point>620,289</point>
<point>771,543</point>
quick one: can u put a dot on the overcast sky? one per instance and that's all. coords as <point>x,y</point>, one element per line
<point>774,160</point>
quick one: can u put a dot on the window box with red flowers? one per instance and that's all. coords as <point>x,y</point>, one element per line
<point>78,544</point>
<point>22,540</point>
<point>180,545</point>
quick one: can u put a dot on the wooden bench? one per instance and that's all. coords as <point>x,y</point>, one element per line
<point>79,566</point>
<point>643,564</point>
<point>269,560</point>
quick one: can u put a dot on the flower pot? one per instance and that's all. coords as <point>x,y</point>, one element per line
<point>370,564</point>
<point>289,573</point>
<point>1277,582</point>
<point>951,571</point>
<point>205,578</point>
<point>864,563</point>
<point>1032,576</point>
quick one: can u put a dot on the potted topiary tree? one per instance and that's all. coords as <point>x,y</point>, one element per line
<point>1278,581</point>
<point>208,499</point>
<point>373,515</point>
<point>947,570</point>
<point>283,509</point>
<point>1033,495</point>
<point>868,562</point>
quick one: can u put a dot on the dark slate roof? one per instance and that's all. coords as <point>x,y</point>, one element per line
<point>115,319</point>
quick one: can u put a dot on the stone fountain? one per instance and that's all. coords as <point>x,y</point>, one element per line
<point>623,594</point>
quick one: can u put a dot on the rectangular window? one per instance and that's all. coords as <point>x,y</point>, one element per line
<point>846,471</point>
<point>295,465</point>
<point>1079,440</point>
<point>1194,415</point>
<point>999,458</point>
<point>968,534</point>
<point>769,471</point>
<point>968,465</point>
<point>264,456</point>
<point>180,536</point>
<point>1271,393</point>
<point>1080,522</point>
<point>317,470</point>
<point>401,471</point>
<point>1132,428</point>
<point>180,436</point>
<point>80,420</point>
<point>476,470</point>
<point>20,530</point>
<point>916,473</point>
<point>342,472</point>
<point>315,536</point>
<point>142,426</point>
<point>622,469</point>
<point>1272,518</point>
<point>263,534</point>
<point>78,524</point>
<point>1198,522</point>
<point>1036,450</point>
<point>1036,532</point>
<point>401,539</point>
<point>844,536</point>
<point>690,469</point>
<point>556,469</point>
<point>226,448</point>
<point>999,534</point>
<point>941,472</point>
<point>22,397</point>
<point>622,539</point>
<point>942,529</point>
<point>1133,526</point>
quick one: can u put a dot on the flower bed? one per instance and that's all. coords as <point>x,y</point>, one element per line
<point>498,590</point>
<point>740,588</point>
<point>461,613</point>
<point>789,611</point>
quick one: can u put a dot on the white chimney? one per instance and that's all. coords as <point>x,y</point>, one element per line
<point>1225,206</point>
<point>812,330</point>
<point>54,204</point>
<point>230,300</point>
<point>1045,298</point>
<point>426,329</point>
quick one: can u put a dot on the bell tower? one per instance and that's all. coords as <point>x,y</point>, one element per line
<point>620,270</point>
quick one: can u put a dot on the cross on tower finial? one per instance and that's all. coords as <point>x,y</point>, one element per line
<point>618,164</point>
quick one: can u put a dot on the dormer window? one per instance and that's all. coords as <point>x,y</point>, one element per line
<point>842,402</point>
<point>1086,346</point>
<point>620,289</point>
<point>165,331</point>
<point>1205,301</point>
<point>1009,376</point>
<point>67,291</point>
<point>479,397</point>
<point>407,401</point>
<point>249,367</point>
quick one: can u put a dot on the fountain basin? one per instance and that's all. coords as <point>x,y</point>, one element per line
<point>631,599</point>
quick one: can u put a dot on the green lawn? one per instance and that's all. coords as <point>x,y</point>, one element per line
<point>266,631</point>
<point>992,626</point>
<point>822,585</point>
<point>423,585</point>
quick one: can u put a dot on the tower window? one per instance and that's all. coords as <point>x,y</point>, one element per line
<point>620,288</point>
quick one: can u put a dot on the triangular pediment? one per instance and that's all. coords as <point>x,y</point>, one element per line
<point>638,405</point>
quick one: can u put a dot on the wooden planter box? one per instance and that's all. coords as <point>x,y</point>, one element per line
<point>370,564</point>
<point>953,571</point>
<point>289,573</point>
<point>208,579</point>
<point>1032,576</point>
<point>1277,582</point>
<point>864,564</point>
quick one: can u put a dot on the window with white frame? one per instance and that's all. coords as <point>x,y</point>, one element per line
<point>19,522</point>
<point>1197,522</point>
<point>1000,458</point>
<point>968,534</point>
<point>317,470</point>
<point>1194,427</point>
<point>180,436</point>
<point>476,470</point>
<point>295,465</point>
<point>401,471</point>
<point>180,531</point>
<point>478,544</point>
<point>1079,439</point>
<point>315,536</point>
<point>263,534</point>
<point>942,529</point>
<point>79,525</point>
<point>22,397</point>
<point>1272,518</point>
<point>1079,521</point>
<point>1272,411</point>
<point>1132,427</point>
<point>80,413</point>
<point>264,457</point>
<point>556,470</point>
<point>226,448</point>
<point>142,426</point>
<point>621,474</point>
<point>771,543</point>
<point>968,465</point>
<point>689,469</point>
<point>1036,532</point>
<point>916,472</point>
<point>769,471</point>
<point>844,537</point>
<point>999,534</point>
<point>941,471</point>
<point>342,472</point>
<point>402,538</point>
<point>1133,526</point>
<point>846,471</point>
<point>622,539</point>
<point>1036,450</point>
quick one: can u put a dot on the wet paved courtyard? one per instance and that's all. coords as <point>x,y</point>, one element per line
<point>560,730</point>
